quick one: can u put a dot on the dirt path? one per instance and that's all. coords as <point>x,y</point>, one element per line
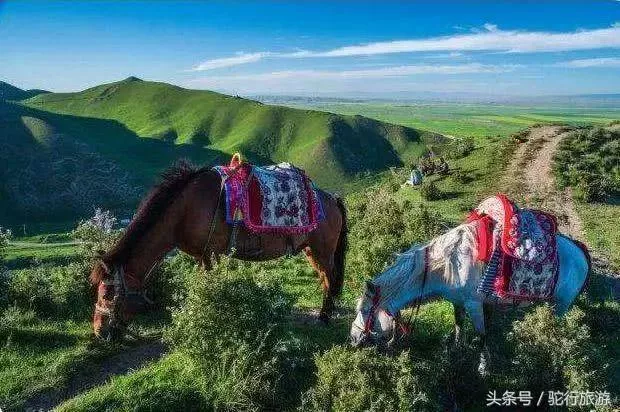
<point>131,359</point>
<point>530,179</point>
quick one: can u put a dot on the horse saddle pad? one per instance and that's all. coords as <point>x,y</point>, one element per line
<point>273,199</point>
<point>519,249</point>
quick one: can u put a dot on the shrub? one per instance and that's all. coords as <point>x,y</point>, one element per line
<point>430,191</point>
<point>376,235</point>
<point>97,234</point>
<point>553,353</point>
<point>366,380</point>
<point>460,176</point>
<point>422,224</point>
<point>226,325</point>
<point>5,237</point>
<point>588,160</point>
<point>459,148</point>
<point>48,290</point>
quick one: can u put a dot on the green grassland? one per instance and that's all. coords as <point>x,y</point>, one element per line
<point>332,148</point>
<point>63,154</point>
<point>142,126</point>
<point>477,120</point>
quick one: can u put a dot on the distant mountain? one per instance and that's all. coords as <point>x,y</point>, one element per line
<point>65,153</point>
<point>10,92</point>
<point>332,148</point>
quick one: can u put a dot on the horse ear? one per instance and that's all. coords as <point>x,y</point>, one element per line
<point>370,286</point>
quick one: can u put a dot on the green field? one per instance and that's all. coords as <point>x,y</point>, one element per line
<point>478,120</point>
<point>49,356</point>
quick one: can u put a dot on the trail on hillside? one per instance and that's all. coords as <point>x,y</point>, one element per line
<point>530,180</point>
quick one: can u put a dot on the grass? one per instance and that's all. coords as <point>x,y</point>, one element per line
<point>600,222</point>
<point>477,120</point>
<point>63,154</point>
<point>332,148</point>
<point>55,350</point>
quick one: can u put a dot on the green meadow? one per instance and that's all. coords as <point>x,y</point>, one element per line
<point>268,352</point>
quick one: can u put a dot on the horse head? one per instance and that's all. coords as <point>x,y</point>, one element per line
<point>374,324</point>
<point>114,306</point>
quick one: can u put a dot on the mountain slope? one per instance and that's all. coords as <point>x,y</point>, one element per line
<point>332,148</point>
<point>61,167</point>
<point>10,92</point>
<point>63,154</point>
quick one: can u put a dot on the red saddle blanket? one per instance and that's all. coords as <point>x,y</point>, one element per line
<point>519,247</point>
<point>274,199</point>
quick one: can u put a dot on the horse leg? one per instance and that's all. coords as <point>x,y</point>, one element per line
<point>475,310</point>
<point>459,319</point>
<point>324,267</point>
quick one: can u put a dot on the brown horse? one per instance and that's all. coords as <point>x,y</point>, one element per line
<point>186,211</point>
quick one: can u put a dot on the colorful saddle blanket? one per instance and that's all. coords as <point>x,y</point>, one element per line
<point>519,247</point>
<point>274,199</point>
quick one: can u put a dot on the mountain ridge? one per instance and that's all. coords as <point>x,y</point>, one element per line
<point>136,128</point>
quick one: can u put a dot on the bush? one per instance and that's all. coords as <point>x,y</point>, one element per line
<point>589,161</point>
<point>226,325</point>
<point>430,191</point>
<point>376,235</point>
<point>5,237</point>
<point>459,148</point>
<point>460,176</point>
<point>48,290</point>
<point>366,380</point>
<point>553,353</point>
<point>382,227</point>
<point>97,234</point>
<point>422,224</point>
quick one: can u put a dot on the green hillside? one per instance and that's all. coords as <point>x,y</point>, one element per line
<point>56,166</point>
<point>10,92</point>
<point>63,154</point>
<point>332,148</point>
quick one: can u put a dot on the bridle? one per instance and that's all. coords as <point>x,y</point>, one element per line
<point>405,327</point>
<point>121,293</point>
<point>366,330</point>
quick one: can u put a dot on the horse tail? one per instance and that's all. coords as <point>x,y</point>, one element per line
<point>586,252</point>
<point>341,250</point>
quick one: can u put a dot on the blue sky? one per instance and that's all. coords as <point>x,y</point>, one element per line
<point>317,48</point>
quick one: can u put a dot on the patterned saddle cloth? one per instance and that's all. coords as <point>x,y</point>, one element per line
<point>273,199</point>
<point>519,249</point>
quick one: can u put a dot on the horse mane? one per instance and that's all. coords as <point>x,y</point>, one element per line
<point>150,210</point>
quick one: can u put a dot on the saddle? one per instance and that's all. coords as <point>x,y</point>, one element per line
<point>274,199</point>
<point>518,247</point>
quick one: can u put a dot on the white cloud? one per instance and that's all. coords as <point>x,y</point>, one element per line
<point>489,38</point>
<point>595,62</point>
<point>383,72</point>
<point>240,58</point>
<point>492,39</point>
<point>382,79</point>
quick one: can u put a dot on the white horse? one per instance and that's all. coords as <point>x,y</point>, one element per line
<point>447,268</point>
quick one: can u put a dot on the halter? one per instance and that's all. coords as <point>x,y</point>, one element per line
<point>405,327</point>
<point>121,292</point>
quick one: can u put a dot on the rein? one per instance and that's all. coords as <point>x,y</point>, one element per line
<point>406,327</point>
<point>122,291</point>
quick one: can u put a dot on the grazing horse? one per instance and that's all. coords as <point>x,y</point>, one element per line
<point>185,211</point>
<point>447,268</point>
